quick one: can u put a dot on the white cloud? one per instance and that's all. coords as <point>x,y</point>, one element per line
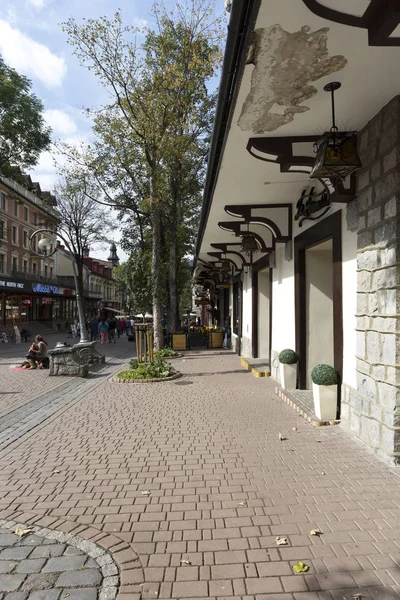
<point>37,3</point>
<point>29,57</point>
<point>141,23</point>
<point>60,122</point>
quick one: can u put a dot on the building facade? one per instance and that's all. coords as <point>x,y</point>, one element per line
<point>28,283</point>
<point>323,276</point>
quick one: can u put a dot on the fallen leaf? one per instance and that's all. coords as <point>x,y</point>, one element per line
<point>356,596</point>
<point>281,541</point>
<point>315,532</point>
<point>323,473</point>
<point>281,437</point>
<point>56,471</point>
<point>318,441</point>
<point>185,562</point>
<point>242,504</point>
<point>294,428</point>
<point>21,531</point>
<point>146,493</point>
<point>300,567</point>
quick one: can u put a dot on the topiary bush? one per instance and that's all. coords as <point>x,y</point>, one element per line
<point>288,357</point>
<point>324,375</point>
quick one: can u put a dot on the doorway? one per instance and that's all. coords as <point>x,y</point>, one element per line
<point>318,297</point>
<point>263,324</point>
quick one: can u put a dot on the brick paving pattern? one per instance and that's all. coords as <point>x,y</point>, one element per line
<point>37,568</point>
<point>192,476</point>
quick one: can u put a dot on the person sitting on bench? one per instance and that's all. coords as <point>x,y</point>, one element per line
<point>37,351</point>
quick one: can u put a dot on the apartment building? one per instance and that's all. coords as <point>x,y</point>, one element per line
<point>27,282</point>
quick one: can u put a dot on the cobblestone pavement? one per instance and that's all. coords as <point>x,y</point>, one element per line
<point>188,483</point>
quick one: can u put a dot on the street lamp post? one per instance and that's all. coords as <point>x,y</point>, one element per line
<point>44,245</point>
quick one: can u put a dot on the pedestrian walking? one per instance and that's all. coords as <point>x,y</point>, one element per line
<point>118,328</point>
<point>123,325</point>
<point>103,331</point>
<point>94,329</point>
<point>112,326</point>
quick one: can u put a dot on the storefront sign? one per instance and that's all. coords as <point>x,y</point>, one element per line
<point>310,204</point>
<point>12,284</point>
<point>26,301</point>
<point>67,292</point>
<point>45,289</point>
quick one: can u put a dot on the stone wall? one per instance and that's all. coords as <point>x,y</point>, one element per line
<point>246,347</point>
<point>372,412</point>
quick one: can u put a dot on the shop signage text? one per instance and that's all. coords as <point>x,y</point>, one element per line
<point>45,289</point>
<point>12,284</point>
<point>309,204</point>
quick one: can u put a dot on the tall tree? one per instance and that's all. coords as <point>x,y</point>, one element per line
<point>23,132</point>
<point>82,220</point>
<point>160,102</point>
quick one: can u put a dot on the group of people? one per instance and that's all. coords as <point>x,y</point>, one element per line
<point>37,355</point>
<point>108,330</point>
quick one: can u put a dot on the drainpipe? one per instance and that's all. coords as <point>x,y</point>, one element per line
<point>240,32</point>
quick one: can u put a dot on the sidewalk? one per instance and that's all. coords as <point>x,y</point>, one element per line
<point>186,486</point>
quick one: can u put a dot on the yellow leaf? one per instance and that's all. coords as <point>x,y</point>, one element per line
<point>300,567</point>
<point>21,531</point>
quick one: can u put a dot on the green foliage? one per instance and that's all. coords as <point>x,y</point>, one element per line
<point>165,353</point>
<point>133,364</point>
<point>288,357</point>
<point>324,375</point>
<point>23,132</point>
<point>157,369</point>
<point>134,279</point>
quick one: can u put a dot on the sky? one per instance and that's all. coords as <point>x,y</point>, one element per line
<point>31,41</point>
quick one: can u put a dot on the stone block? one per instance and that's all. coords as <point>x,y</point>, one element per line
<point>85,594</point>
<point>364,199</point>
<point>390,114</point>
<point>369,259</point>
<point>344,411</point>
<point>372,429</point>
<point>365,239</point>
<point>366,385</point>
<point>376,170</point>
<point>390,160</point>
<point>388,346</point>
<point>364,281</point>
<point>374,216</point>
<point>387,186</point>
<point>44,595</point>
<point>389,255</point>
<point>64,563</point>
<point>388,140</point>
<point>88,577</point>
<point>373,306</point>
<point>360,348</point>
<point>363,179</point>
<point>389,396</point>
<point>352,216</point>
<point>390,418</point>
<point>392,374</point>
<point>378,372</point>
<point>375,412</point>
<point>392,208</point>
<point>387,277</point>
<point>355,423</point>
<point>390,439</point>
<point>386,232</point>
<point>384,324</point>
<point>362,301</point>
<point>387,300</point>
<point>10,583</point>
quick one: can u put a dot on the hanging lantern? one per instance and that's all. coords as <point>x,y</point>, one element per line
<point>249,242</point>
<point>226,266</point>
<point>337,155</point>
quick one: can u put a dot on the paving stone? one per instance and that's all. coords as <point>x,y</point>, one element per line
<point>8,539</point>
<point>40,581</point>
<point>87,577</point>
<point>64,563</point>
<point>7,566</point>
<point>31,540</point>
<point>17,596</point>
<point>30,565</point>
<point>45,595</point>
<point>48,551</point>
<point>70,550</point>
<point>15,553</point>
<point>79,594</point>
<point>10,583</point>
<point>189,589</point>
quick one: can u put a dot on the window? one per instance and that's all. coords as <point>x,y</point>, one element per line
<point>2,230</point>
<point>26,240</point>
<point>15,206</point>
<point>15,263</point>
<point>35,218</point>
<point>51,272</point>
<point>25,266</point>
<point>34,243</point>
<point>2,263</point>
<point>33,268</point>
<point>14,235</point>
<point>2,201</point>
<point>26,215</point>
<point>45,271</point>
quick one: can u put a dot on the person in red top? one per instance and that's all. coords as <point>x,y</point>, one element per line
<point>123,325</point>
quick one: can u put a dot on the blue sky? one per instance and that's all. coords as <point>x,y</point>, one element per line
<point>31,41</point>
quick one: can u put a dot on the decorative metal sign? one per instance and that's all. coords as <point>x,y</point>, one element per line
<point>45,289</point>
<point>309,204</point>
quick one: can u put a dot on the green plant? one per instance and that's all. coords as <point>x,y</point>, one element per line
<point>165,353</point>
<point>288,357</point>
<point>157,369</point>
<point>324,375</point>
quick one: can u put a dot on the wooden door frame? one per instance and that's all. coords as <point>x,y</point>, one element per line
<point>260,265</point>
<point>329,228</point>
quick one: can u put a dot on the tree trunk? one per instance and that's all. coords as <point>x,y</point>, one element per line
<point>172,284</point>
<point>156,263</point>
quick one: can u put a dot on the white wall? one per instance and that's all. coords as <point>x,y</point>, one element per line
<point>319,307</point>
<point>263,313</point>
<point>283,321</point>
<point>247,304</point>
<point>349,283</point>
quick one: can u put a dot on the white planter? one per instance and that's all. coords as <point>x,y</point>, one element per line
<point>288,375</point>
<point>325,401</point>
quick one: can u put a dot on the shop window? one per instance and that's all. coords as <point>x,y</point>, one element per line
<point>26,214</point>
<point>2,201</point>
<point>15,208</point>
<point>14,235</point>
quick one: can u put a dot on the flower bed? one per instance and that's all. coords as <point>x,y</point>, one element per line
<point>158,370</point>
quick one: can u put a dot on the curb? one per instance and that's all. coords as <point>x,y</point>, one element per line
<point>310,418</point>
<point>253,370</point>
<point>176,375</point>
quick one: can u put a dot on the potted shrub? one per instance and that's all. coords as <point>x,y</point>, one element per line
<point>215,338</point>
<point>179,340</point>
<point>288,360</point>
<point>324,382</point>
